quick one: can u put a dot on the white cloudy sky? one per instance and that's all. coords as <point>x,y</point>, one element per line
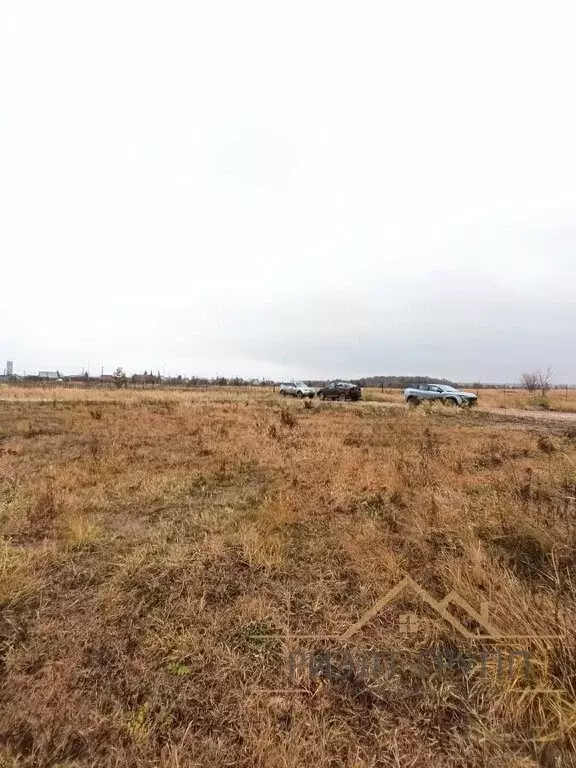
<point>307,189</point>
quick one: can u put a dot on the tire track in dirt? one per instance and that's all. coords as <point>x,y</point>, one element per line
<point>549,421</point>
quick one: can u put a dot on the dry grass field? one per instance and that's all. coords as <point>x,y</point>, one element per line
<point>161,552</point>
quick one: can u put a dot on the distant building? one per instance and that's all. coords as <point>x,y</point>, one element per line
<point>50,375</point>
<point>9,368</point>
<point>144,378</point>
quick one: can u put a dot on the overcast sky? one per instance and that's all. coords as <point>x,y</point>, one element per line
<point>299,189</point>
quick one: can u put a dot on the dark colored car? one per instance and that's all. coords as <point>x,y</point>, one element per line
<point>340,390</point>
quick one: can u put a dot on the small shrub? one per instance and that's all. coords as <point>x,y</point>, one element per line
<point>177,669</point>
<point>80,532</point>
<point>543,403</point>
<point>287,418</point>
<point>546,445</point>
<point>492,456</point>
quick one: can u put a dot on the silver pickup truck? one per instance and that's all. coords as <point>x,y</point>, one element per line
<point>439,392</point>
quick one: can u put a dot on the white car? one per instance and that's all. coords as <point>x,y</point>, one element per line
<point>296,389</point>
<point>441,393</point>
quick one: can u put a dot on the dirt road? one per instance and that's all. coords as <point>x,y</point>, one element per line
<point>534,415</point>
<point>545,421</point>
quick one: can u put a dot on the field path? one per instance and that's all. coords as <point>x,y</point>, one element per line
<point>536,415</point>
<point>514,416</point>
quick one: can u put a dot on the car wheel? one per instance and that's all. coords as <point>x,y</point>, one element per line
<point>450,402</point>
<point>342,396</point>
<point>413,402</point>
<point>321,395</point>
<point>299,394</point>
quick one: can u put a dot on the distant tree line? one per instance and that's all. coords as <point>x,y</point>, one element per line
<point>398,382</point>
<point>537,381</point>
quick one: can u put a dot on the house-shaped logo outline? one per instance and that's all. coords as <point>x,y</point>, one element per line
<point>441,608</point>
<point>491,632</point>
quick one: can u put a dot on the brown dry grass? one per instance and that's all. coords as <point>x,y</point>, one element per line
<point>150,541</point>
<point>558,399</point>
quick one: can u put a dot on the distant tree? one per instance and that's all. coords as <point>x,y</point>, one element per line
<point>544,381</point>
<point>530,380</point>
<point>538,380</point>
<point>119,378</point>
